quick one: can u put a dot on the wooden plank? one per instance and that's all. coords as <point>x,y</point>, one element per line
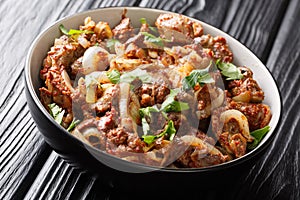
<point>255,23</point>
<point>278,172</point>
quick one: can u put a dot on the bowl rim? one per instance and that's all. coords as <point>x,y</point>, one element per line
<point>231,163</point>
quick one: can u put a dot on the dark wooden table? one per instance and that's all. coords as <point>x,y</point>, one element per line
<point>29,169</point>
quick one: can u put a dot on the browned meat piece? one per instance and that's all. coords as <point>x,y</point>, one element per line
<point>197,153</point>
<point>198,29</point>
<point>123,31</point>
<point>234,144</point>
<point>107,122</point>
<point>216,48</point>
<point>64,52</point>
<point>258,115</point>
<point>246,90</point>
<point>204,101</point>
<point>122,143</point>
<point>232,130</point>
<point>76,68</point>
<point>134,51</point>
<point>117,136</point>
<point>176,28</point>
<point>105,102</point>
<point>46,97</point>
<point>54,72</point>
<point>152,94</point>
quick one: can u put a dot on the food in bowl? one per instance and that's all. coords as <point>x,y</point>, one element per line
<point>163,94</point>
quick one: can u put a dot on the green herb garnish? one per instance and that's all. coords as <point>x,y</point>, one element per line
<point>200,76</point>
<point>144,21</point>
<point>113,76</point>
<point>171,105</point>
<point>168,130</point>
<point>56,112</point>
<point>229,70</point>
<point>152,39</point>
<point>145,114</point>
<point>110,44</point>
<point>128,77</point>
<point>73,124</point>
<point>258,136</point>
<point>73,31</point>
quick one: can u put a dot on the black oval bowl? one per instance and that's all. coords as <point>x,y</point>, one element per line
<point>126,174</point>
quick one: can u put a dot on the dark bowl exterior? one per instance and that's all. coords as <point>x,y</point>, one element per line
<point>79,155</point>
<point>76,154</point>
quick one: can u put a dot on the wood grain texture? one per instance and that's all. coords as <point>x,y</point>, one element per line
<point>280,166</point>
<point>28,168</point>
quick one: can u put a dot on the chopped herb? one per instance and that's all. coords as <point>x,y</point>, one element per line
<point>63,29</point>
<point>168,130</point>
<point>144,21</point>
<point>110,43</point>
<point>146,113</point>
<point>73,31</point>
<point>73,124</point>
<point>157,41</point>
<point>56,112</point>
<point>128,77</point>
<point>171,105</point>
<point>229,70</point>
<point>149,139</point>
<point>258,136</point>
<point>200,76</point>
<point>145,126</point>
<point>113,76</point>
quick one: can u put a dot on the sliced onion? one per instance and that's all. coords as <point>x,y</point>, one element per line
<point>83,42</point>
<point>217,102</point>
<point>95,58</point>
<point>243,97</point>
<point>200,144</point>
<point>67,80</point>
<point>124,102</point>
<point>91,96</point>
<point>240,118</point>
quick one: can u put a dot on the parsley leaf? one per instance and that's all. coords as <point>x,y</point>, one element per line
<point>168,130</point>
<point>113,76</point>
<point>149,139</point>
<point>56,112</point>
<point>73,124</point>
<point>152,39</point>
<point>73,31</point>
<point>200,76</point>
<point>171,105</point>
<point>145,114</point>
<point>229,70</point>
<point>144,21</point>
<point>110,44</point>
<point>258,136</point>
<point>128,77</point>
